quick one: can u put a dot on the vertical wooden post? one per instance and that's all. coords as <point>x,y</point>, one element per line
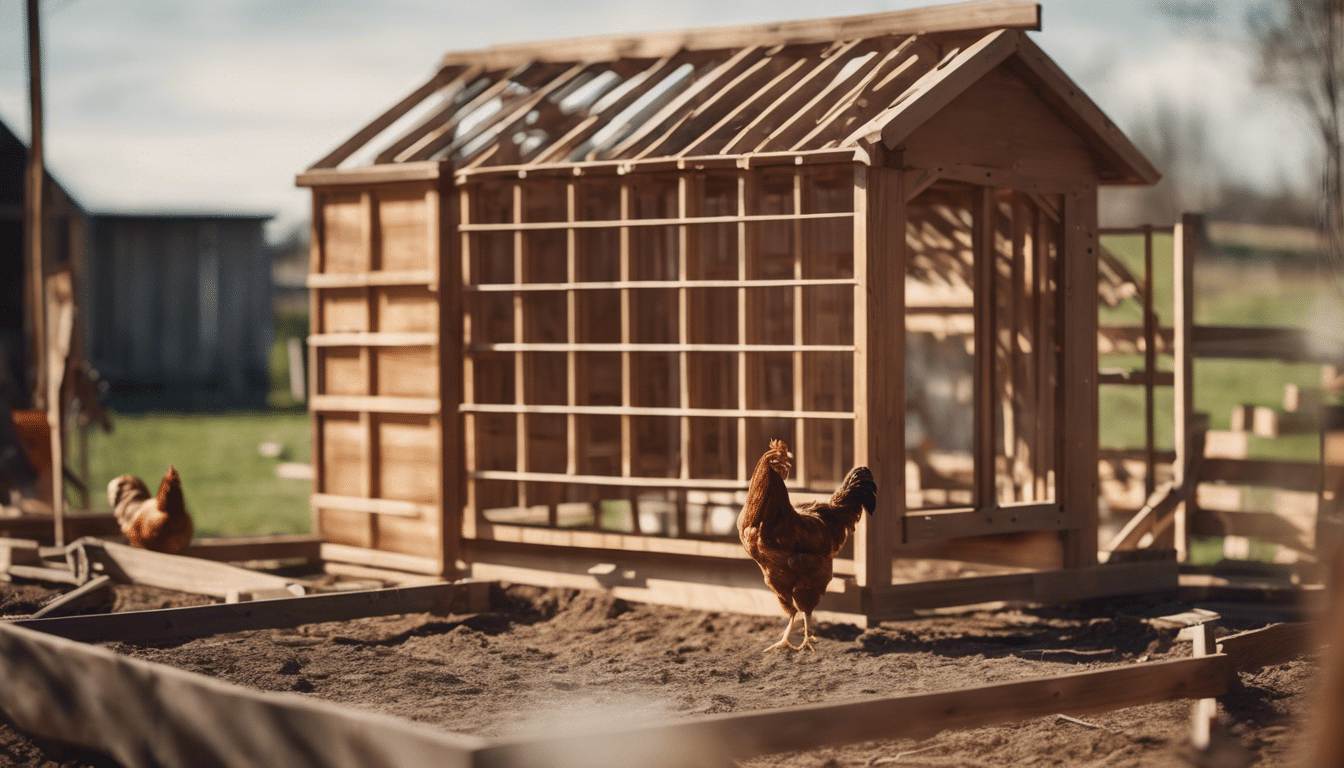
<point>465,276</point>
<point>1149,367</point>
<point>801,389</point>
<point>1330,508</point>
<point>446,266</point>
<point>316,374</point>
<point>572,337</point>
<point>33,216</point>
<point>984,496</point>
<point>520,378</point>
<point>1204,711</point>
<point>879,361</point>
<point>747,256</point>
<point>1077,420</point>
<point>1185,242</point>
<point>368,427</point>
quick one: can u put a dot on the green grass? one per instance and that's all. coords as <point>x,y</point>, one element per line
<point>1243,292</point>
<point>231,489</point>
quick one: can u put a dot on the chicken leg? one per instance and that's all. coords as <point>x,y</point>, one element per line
<point>809,640</point>
<point>784,641</point>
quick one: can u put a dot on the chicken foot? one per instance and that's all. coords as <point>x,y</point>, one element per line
<point>809,640</point>
<point>784,641</point>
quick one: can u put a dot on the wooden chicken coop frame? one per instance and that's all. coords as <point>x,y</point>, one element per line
<point>572,289</point>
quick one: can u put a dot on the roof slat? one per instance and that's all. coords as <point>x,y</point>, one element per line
<point>987,14</point>
<point>791,102</point>
<point>510,118</point>
<point>561,148</point>
<point>431,121</point>
<point>686,101</point>
<point>937,88</point>
<point>708,113</point>
<point>883,84</point>
<point>385,120</point>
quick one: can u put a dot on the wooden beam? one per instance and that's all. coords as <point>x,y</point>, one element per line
<point>1078,405</point>
<point>1186,243</point>
<point>34,220</point>
<point>720,739</point>
<point>132,565</point>
<point>1044,587</point>
<point>206,620</point>
<point>985,270</point>
<point>92,593</point>
<point>434,120</point>
<point>145,714</point>
<point>936,89</point>
<point>384,121</point>
<point>373,174</point>
<point>879,361</point>
<point>938,525</point>
<point>243,549</point>
<point>990,14</point>
<point>1274,644</point>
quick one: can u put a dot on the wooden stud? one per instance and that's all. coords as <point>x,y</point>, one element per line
<point>446,261</point>
<point>1078,385</point>
<point>985,494</point>
<point>1149,366</point>
<point>641,222</point>
<point>627,433</point>
<point>1183,308</point>
<point>879,361</point>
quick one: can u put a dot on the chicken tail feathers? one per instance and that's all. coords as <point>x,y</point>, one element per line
<point>170,498</point>
<point>859,489</point>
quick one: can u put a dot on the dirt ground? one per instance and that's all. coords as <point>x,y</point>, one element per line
<point>543,659</point>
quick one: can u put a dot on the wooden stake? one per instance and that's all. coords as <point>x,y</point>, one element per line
<point>33,216</point>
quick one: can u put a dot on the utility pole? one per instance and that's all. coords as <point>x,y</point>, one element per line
<point>32,214</point>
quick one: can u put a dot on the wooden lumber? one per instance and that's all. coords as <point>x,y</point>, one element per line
<point>718,739</point>
<point>937,88</point>
<point>374,174</point>
<point>1288,475</point>
<point>41,573</point>
<point>935,525</point>
<point>990,14</point>
<point>879,362</point>
<point>205,620</point>
<point>248,548</point>
<point>1204,712</point>
<point>1045,587</point>
<point>385,120</point>
<point>1186,239</point>
<point>145,714</point>
<point>1274,644</point>
<point>92,593</point>
<point>132,565</point>
<point>374,558</point>
<point>1077,401</point>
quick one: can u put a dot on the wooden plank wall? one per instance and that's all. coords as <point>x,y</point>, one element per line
<point>384,453</point>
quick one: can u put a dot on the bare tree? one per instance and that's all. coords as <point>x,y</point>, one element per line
<point>1302,50</point>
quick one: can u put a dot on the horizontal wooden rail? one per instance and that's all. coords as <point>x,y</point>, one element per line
<point>652,285</point>
<point>373,340</point>
<point>943,524</point>
<point>533,226</point>
<point>619,410</point>
<point>1274,644</point>
<point>620,542</point>
<point>367,279</point>
<point>145,714</point>
<point>1127,231</point>
<point>663,164</point>
<point>632,482</point>
<point>719,739</point>
<point>1135,377</point>
<point>1045,587</point>
<point>236,550</point>
<point>373,506</point>
<point>615,347</point>
<point>373,404</point>
<point>205,620</point>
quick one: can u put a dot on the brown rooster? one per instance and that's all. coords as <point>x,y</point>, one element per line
<point>158,523</point>
<point>795,548</point>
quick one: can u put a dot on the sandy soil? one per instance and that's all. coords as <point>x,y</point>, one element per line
<point>547,658</point>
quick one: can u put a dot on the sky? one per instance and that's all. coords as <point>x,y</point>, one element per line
<point>215,105</point>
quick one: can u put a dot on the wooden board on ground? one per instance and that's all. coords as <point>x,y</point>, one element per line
<point>715,740</point>
<point>244,549</point>
<point>145,714</point>
<point>1272,645</point>
<point>131,565</point>
<point>204,620</point>
<point>92,593</point>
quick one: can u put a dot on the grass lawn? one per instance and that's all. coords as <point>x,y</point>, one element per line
<point>231,489</point>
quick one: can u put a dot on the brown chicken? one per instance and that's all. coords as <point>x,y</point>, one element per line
<point>159,523</point>
<point>796,547</point>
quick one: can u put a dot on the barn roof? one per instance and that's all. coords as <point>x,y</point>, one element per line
<point>794,87</point>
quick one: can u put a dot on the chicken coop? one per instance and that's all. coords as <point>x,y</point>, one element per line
<point>563,295</point>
